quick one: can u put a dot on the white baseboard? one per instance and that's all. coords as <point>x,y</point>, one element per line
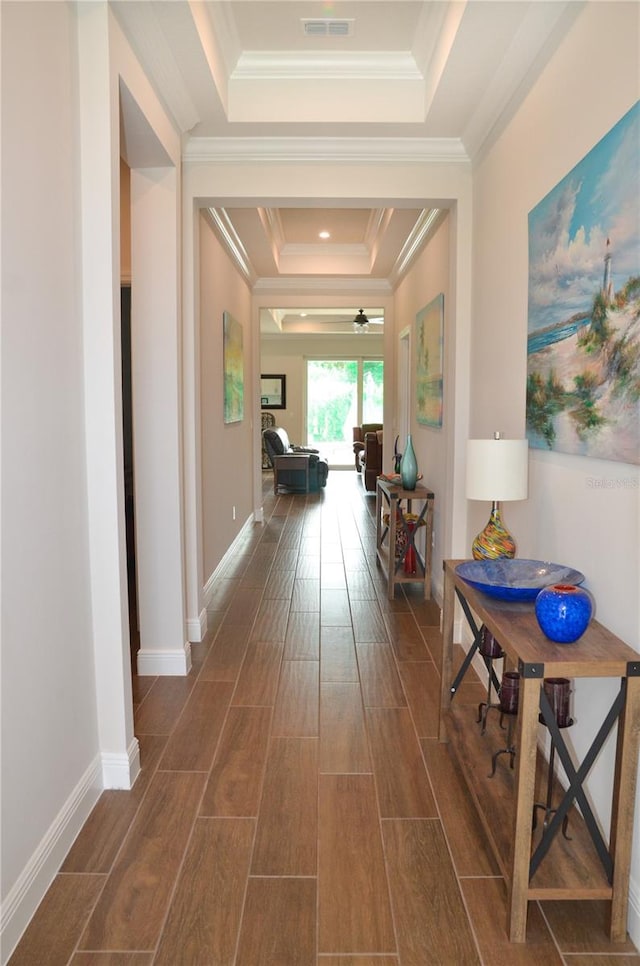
<point>121,771</point>
<point>633,914</point>
<point>31,886</point>
<point>154,661</point>
<point>208,587</point>
<point>197,627</point>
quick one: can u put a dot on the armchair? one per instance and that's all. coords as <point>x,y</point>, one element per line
<point>359,433</point>
<point>294,467</point>
<point>371,460</point>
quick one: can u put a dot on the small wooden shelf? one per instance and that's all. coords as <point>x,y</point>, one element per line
<point>584,867</point>
<point>389,501</point>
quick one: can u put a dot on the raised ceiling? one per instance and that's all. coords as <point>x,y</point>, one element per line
<point>371,78</point>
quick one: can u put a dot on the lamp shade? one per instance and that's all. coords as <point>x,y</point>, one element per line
<point>497,469</point>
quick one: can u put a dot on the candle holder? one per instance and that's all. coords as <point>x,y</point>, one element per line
<point>491,651</point>
<point>509,691</point>
<point>558,692</point>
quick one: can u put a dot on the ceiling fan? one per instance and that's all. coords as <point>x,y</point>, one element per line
<point>362,322</point>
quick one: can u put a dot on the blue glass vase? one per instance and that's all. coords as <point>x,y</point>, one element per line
<point>409,466</point>
<point>563,612</point>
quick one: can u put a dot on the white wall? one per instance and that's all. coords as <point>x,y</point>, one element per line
<point>67,720</point>
<point>430,276</point>
<point>587,87</point>
<point>227,450</point>
<point>49,726</point>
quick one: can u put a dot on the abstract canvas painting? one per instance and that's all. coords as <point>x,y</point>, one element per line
<point>429,344</point>
<point>233,370</point>
<point>583,347</point>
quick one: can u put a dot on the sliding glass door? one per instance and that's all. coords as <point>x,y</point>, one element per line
<point>341,394</point>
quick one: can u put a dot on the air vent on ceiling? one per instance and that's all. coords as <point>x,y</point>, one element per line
<point>327,28</point>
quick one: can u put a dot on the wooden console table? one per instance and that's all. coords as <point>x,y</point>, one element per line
<point>392,497</point>
<point>543,864</point>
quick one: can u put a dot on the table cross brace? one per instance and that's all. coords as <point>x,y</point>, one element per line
<point>576,781</point>
<point>476,631</point>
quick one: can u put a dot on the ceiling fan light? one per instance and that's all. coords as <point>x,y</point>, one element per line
<point>361,322</point>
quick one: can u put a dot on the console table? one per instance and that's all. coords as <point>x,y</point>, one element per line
<point>392,497</point>
<point>542,864</point>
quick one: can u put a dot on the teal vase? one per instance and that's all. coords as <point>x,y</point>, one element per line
<point>409,466</point>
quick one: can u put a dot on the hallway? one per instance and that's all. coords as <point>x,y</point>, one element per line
<point>295,807</point>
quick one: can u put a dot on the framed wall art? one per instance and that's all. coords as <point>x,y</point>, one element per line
<point>233,364</point>
<point>429,362</point>
<point>583,343</point>
<point>273,391</point>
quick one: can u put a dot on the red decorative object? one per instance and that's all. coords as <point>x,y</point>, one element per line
<point>410,556</point>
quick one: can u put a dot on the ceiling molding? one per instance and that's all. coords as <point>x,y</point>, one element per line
<point>222,21</point>
<point>323,251</point>
<point>534,42</point>
<point>325,150</point>
<point>425,225</point>
<point>232,242</point>
<point>272,225</point>
<point>146,36</point>
<point>451,17</point>
<point>319,65</point>
<point>310,285</point>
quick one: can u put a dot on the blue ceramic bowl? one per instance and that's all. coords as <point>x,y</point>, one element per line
<point>517,578</point>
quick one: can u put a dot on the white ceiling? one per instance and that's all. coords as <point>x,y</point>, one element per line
<point>433,76</point>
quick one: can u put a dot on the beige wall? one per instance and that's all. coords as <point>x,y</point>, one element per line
<point>596,530</point>
<point>430,276</point>
<point>227,455</point>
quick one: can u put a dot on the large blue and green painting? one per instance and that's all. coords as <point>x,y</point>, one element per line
<point>583,352</point>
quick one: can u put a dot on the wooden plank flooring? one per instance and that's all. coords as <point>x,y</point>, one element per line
<point>295,807</point>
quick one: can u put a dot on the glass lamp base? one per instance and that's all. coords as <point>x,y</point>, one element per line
<point>494,541</point>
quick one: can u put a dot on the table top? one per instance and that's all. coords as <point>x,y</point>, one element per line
<point>398,492</point>
<point>598,653</point>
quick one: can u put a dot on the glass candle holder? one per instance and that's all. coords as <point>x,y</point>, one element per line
<point>509,691</point>
<point>489,646</point>
<point>558,692</point>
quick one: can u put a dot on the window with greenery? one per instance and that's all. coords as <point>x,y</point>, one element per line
<point>341,394</point>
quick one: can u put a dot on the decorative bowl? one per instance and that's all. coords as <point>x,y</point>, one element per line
<point>517,578</point>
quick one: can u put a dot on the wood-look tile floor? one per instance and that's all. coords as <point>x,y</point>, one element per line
<point>294,805</point>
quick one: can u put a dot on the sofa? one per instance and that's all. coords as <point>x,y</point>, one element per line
<point>294,467</point>
<point>369,456</point>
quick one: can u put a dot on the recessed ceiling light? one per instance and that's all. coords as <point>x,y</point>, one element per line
<point>324,234</point>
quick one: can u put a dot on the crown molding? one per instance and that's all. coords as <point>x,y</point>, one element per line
<point>145,34</point>
<point>328,286</point>
<point>325,150</point>
<point>232,242</point>
<point>320,64</point>
<point>426,224</point>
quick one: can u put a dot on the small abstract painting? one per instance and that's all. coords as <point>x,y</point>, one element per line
<point>429,344</point>
<point>583,346</point>
<point>233,370</point>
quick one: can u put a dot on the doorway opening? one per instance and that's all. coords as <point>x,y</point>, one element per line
<point>341,394</point>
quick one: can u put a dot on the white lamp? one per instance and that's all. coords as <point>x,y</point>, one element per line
<point>497,470</point>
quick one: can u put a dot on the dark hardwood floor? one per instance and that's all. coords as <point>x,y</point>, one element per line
<point>294,806</point>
